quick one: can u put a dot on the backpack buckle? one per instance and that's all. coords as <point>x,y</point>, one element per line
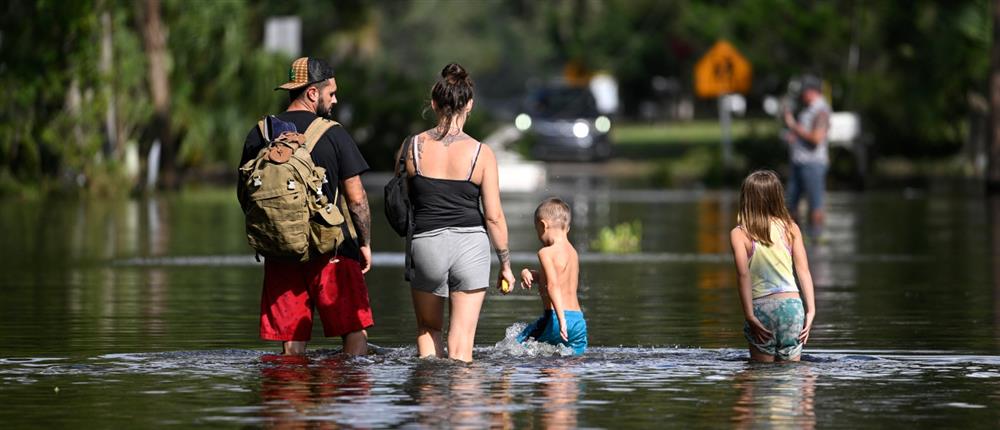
<point>291,184</point>
<point>256,181</point>
<point>329,207</point>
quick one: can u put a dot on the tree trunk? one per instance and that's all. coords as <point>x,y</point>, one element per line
<point>993,175</point>
<point>111,149</point>
<point>155,43</point>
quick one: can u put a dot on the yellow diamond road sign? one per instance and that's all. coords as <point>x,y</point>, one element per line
<point>722,70</point>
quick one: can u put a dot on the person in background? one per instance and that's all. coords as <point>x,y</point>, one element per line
<point>807,144</point>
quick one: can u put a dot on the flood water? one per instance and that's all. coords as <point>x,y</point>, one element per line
<point>142,313</point>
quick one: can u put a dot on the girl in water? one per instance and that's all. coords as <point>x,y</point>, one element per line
<point>767,246</point>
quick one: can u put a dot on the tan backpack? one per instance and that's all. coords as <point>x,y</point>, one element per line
<point>287,214</point>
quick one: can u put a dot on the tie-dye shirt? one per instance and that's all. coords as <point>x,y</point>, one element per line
<point>771,266</point>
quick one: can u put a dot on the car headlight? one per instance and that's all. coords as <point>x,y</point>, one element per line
<point>581,129</point>
<point>522,122</point>
<point>602,124</point>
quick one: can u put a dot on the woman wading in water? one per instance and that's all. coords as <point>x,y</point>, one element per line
<point>450,174</point>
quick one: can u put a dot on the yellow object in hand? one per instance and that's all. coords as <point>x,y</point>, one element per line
<point>504,286</point>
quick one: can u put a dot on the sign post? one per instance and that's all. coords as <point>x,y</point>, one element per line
<point>720,72</point>
<point>726,123</point>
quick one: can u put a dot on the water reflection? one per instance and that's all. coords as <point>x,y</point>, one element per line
<point>839,237</point>
<point>777,396</point>
<point>994,222</point>
<point>453,393</point>
<point>158,227</point>
<point>119,228</point>
<point>297,392</point>
<point>916,275</point>
<point>560,389</point>
<point>610,388</point>
<point>461,395</point>
<point>716,286</point>
<point>503,398</point>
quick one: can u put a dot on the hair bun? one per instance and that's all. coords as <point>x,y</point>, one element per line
<point>454,73</point>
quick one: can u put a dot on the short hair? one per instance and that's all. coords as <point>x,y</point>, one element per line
<point>811,82</point>
<point>555,211</point>
<point>294,95</point>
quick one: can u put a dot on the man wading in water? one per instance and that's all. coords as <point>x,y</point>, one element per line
<point>333,282</point>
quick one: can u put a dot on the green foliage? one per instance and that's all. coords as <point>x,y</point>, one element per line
<point>641,138</point>
<point>386,68</point>
<point>624,238</point>
<point>35,119</point>
<point>932,57</point>
<point>918,64</point>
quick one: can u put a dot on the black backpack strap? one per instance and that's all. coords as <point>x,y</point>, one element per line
<point>401,163</point>
<point>401,172</point>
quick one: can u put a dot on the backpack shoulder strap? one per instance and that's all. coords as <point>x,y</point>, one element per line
<point>316,129</point>
<point>402,155</point>
<point>262,126</point>
<point>342,203</point>
<point>416,153</point>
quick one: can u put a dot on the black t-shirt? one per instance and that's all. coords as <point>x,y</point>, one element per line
<point>336,152</point>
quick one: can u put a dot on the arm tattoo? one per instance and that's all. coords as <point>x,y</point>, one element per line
<point>362,217</point>
<point>503,255</point>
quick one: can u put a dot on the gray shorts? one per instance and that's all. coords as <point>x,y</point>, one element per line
<point>450,259</point>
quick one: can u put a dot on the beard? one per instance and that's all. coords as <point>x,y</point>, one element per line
<point>324,111</point>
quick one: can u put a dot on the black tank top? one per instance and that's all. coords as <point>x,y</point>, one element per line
<point>439,203</point>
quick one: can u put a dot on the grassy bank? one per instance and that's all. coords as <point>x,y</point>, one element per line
<point>641,140</point>
<point>684,154</point>
<point>689,153</point>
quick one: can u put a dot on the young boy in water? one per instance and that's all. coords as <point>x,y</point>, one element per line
<point>562,321</point>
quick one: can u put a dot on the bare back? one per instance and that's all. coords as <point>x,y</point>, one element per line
<point>565,263</point>
<point>464,159</point>
<point>459,160</point>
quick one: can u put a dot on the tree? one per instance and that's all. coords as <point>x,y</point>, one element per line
<point>993,179</point>
<point>155,42</point>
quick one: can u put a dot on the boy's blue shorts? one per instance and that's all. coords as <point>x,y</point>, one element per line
<point>546,329</point>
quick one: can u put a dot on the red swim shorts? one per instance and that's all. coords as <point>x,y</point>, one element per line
<point>334,286</point>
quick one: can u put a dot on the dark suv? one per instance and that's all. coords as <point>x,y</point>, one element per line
<point>564,123</point>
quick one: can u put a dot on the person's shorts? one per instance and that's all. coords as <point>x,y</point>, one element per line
<point>808,179</point>
<point>334,286</point>
<point>450,259</point>
<point>546,329</point>
<point>784,317</point>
